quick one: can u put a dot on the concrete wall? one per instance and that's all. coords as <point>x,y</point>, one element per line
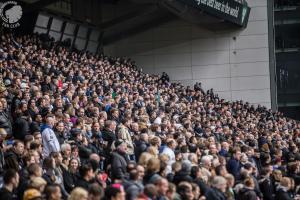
<point>235,64</point>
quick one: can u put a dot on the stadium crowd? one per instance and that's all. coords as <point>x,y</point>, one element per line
<point>79,126</point>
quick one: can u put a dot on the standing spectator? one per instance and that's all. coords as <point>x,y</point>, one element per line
<point>124,134</point>
<point>11,182</point>
<point>86,176</point>
<point>141,145</point>
<point>3,135</point>
<point>21,126</point>
<point>265,183</point>
<point>78,194</point>
<point>109,135</point>
<point>248,192</point>
<point>162,186</point>
<point>169,151</point>
<point>116,191</point>
<point>218,189</point>
<point>165,78</point>
<point>119,161</point>
<point>95,192</point>
<point>50,142</point>
<point>134,186</point>
<point>52,192</point>
<point>234,164</point>
<point>185,191</point>
<point>60,133</point>
<point>283,191</point>
<point>13,158</point>
<point>5,121</point>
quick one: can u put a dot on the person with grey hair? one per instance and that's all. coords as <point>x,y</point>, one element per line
<point>50,142</point>
<point>206,162</point>
<point>66,150</point>
<point>119,161</point>
<point>218,189</point>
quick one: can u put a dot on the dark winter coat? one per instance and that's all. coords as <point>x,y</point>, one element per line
<point>118,166</point>
<point>214,194</point>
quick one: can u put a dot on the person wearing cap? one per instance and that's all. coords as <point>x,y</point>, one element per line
<point>119,160</point>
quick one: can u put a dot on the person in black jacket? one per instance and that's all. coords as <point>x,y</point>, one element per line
<point>109,136</point>
<point>283,190</point>
<point>119,161</point>
<point>60,132</point>
<point>265,184</point>
<point>197,178</point>
<point>86,176</point>
<point>218,189</point>
<point>71,175</point>
<point>11,182</point>
<point>183,174</point>
<point>21,127</point>
<point>133,187</point>
<point>165,77</point>
<point>141,145</point>
<point>247,192</point>
<point>13,158</point>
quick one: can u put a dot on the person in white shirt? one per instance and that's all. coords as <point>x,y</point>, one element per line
<point>169,151</point>
<point>50,142</point>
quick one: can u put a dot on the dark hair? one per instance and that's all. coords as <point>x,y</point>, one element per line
<point>35,145</point>
<point>219,169</point>
<point>16,142</point>
<point>183,188</point>
<point>194,171</point>
<point>125,120</point>
<point>133,174</point>
<point>150,191</point>
<point>9,175</point>
<point>50,189</point>
<point>96,190</point>
<point>111,192</point>
<point>84,169</point>
<point>48,163</point>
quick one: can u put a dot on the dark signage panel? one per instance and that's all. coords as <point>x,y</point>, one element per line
<point>229,10</point>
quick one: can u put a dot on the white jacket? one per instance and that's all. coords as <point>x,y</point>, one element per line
<point>50,142</point>
<point>172,159</point>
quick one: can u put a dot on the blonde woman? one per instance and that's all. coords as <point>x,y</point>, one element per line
<point>144,158</point>
<point>38,183</point>
<point>152,169</point>
<point>78,194</point>
<point>153,151</point>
